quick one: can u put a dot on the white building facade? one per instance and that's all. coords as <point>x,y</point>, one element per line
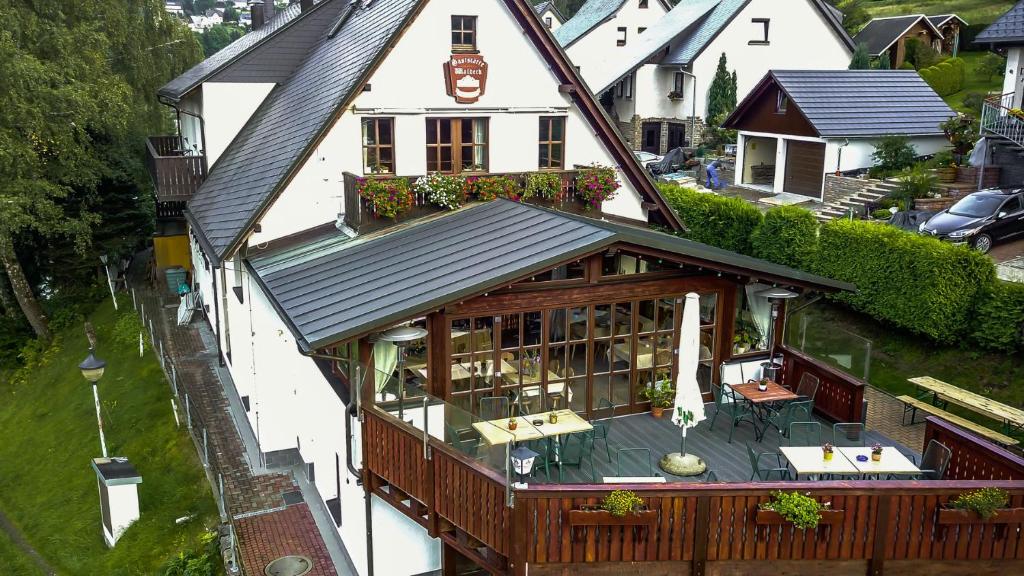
<point>602,28</point>
<point>527,94</point>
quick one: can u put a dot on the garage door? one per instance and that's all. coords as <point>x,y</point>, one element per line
<point>805,167</point>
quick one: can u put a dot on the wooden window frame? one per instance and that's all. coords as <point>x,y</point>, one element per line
<point>375,121</point>
<point>550,120</point>
<point>765,22</point>
<point>456,144</point>
<point>460,20</point>
<point>623,36</point>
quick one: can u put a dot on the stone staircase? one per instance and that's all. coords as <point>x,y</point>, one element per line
<point>857,202</point>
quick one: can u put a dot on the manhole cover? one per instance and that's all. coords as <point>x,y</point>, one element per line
<point>289,566</point>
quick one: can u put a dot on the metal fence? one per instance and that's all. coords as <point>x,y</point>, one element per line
<point>187,414</point>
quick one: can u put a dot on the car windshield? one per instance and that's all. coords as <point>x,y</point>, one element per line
<point>976,205</point>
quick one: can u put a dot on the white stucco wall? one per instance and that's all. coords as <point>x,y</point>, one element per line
<point>655,83</point>
<point>594,49</point>
<point>226,108</point>
<point>513,107</point>
<point>1013,80</point>
<point>555,22</point>
<point>857,154</point>
<point>799,38</point>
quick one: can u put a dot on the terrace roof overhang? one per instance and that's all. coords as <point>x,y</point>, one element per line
<point>335,288</point>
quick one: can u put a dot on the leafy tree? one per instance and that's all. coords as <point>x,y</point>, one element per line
<point>78,79</point>
<point>217,37</point>
<point>201,6</point>
<point>861,60</point>
<point>855,15</point>
<point>919,54</point>
<point>722,92</point>
<point>230,14</point>
<point>991,64</point>
<point>893,153</point>
<point>884,62</point>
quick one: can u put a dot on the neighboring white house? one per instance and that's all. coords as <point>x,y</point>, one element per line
<point>206,21</point>
<point>549,15</point>
<point>1004,131</point>
<point>798,125</point>
<point>602,28</point>
<point>658,87</point>
<point>364,88</point>
<point>174,7</point>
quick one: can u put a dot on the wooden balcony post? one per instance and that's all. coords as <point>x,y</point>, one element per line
<point>876,565</point>
<point>702,523</point>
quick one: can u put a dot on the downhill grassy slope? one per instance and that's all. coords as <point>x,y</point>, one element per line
<point>47,487</point>
<point>973,11</point>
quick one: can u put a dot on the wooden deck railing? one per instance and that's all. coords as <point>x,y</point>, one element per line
<point>361,217</point>
<point>708,524</point>
<point>973,458</point>
<point>175,176</point>
<point>696,528</point>
<point>840,396</point>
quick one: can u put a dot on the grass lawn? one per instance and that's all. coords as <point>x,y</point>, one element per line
<point>14,560</point>
<point>896,356</point>
<point>973,11</point>
<point>47,487</point>
<point>973,82</point>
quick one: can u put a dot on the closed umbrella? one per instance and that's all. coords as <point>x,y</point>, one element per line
<point>689,405</point>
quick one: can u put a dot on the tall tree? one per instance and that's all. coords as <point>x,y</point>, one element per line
<point>722,92</point>
<point>861,59</point>
<point>75,79</point>
<point>883,62</point>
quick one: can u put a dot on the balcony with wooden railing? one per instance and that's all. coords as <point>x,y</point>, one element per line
<point>176,172</point>
<point>361,216</point>
<point>467,500</point>
<point>1000,118</point>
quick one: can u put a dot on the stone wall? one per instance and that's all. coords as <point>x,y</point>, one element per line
<point>991,175</point>
<point>839,187</point>
<point>633,131</point>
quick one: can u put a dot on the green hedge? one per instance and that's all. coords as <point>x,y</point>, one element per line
<point>918,283</point>
<point>999,317</point>
<point>946,77</point>
<point>718,221</point>
<point>788,235</point>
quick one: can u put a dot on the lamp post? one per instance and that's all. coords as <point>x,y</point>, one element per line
<point>110,281</point>
<point>92,369</point>
<point>776,296</point>
<point>401,337</point>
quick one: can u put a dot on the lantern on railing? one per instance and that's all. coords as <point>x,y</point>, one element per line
<point>522,459</point>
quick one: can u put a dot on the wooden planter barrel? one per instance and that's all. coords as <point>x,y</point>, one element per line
<point>962,516</point>
<point>605,518</point>
<point>828,517</point>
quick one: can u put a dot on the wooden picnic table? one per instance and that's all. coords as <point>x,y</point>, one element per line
<point>1012,418</point>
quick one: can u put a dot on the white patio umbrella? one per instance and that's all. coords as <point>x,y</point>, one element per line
<point>689,405</point>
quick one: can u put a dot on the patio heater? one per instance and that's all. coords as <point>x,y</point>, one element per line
<point>776,296</point>
<point>401,337</point>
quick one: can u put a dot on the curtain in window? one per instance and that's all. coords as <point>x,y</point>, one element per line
<point>760,313</point>
<point>385,360</point>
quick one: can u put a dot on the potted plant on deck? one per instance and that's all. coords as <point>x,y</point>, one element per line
<point>660,395</point>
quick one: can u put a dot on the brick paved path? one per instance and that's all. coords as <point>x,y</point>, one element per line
<point>266,528</point>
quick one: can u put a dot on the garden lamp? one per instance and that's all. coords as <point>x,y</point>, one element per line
<point>92,370</point>
<point>401,336</point>
<point>522,461</point>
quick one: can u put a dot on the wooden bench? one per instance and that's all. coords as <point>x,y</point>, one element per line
<point>912,405</point>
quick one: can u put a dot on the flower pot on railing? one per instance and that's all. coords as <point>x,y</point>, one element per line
<point>598,517</point>
<point>963,516</point>
<point>771,517</point>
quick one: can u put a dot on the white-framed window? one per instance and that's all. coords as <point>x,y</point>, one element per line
<point>781,102</point>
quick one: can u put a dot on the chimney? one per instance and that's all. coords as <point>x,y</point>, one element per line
<point>258,14</point>
<point>305,5</point>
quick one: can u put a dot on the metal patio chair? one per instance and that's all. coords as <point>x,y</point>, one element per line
<point>766,473</point>
<point>805,434</point>
<point>935,461</point>
<point>727,403</point>
<point>848,434</point>
<point>795,411</point>
<point>494,408</point>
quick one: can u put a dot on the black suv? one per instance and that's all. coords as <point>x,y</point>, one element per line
<point>980,219</point>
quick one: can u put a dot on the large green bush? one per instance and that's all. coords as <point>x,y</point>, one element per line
<point>999,317</point>
<point>788,235</point>
<point>711,219</point>
<point>914,282</point>
<point>946,77</point>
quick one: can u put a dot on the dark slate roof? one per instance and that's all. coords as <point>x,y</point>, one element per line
<point>293,115</point>
<point>336,288</point>
<point>1007,29</point>
<point>940,19</point>
<point>199,73</point>
<point>879,34</point>
<point>861,103</point>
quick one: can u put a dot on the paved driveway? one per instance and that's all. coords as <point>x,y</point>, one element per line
<point>1009,259</point>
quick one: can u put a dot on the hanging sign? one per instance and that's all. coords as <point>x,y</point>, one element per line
<point>465,77</point>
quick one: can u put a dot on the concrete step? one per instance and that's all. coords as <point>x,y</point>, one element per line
<point>874,193</point>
